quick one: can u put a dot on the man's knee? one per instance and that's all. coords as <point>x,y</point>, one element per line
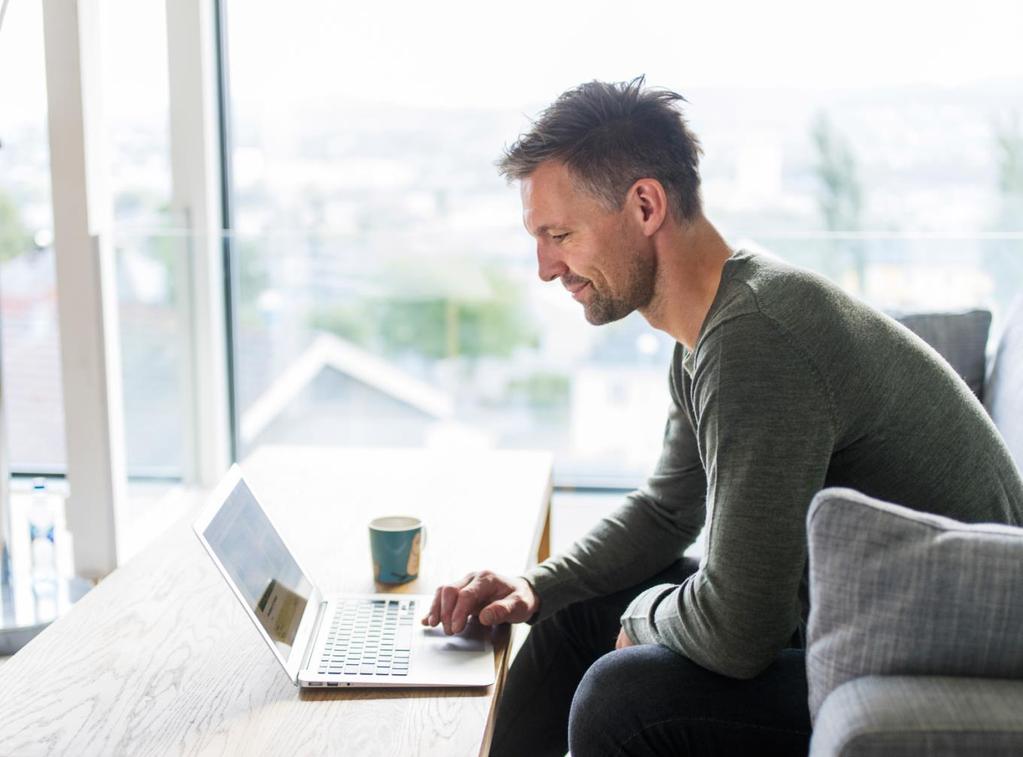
<point>648,700</point>
<point>594,706</point>
<point>612,704</point>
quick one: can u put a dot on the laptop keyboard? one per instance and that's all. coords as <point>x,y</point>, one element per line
<point>369,637</point>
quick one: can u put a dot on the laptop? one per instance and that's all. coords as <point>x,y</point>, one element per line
<point>368,640</point>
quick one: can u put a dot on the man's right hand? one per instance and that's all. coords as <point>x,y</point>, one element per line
<point>491,598</point>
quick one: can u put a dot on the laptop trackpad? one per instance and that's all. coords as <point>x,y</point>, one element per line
<point>472,639</point>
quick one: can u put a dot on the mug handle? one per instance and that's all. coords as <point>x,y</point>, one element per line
<point>422,537</point>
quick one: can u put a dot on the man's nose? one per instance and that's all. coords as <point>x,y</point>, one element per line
<point>549,266</point>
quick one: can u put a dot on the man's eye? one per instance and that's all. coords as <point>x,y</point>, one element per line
<point>559,237</point>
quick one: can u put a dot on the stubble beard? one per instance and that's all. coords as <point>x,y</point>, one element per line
<point>604,308</point>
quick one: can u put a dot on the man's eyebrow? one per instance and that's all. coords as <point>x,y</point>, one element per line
<point>547,227</point>
<point>544,229</point>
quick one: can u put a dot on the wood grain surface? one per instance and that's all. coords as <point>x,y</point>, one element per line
<point>159,659</point>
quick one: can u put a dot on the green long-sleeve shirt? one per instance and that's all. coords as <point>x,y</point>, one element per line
<point>793,386</point>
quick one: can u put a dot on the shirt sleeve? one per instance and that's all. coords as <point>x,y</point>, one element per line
<point>765,422</point>
<point>647,533</point>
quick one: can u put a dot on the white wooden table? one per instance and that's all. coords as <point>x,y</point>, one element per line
<point>160,658</point>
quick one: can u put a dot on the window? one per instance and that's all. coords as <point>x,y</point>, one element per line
<point>31,377</point>
<point>386,292</point>
<point>150,249</point>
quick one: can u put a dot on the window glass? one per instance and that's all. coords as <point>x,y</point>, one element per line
<point>151,252</point>
<point>151,261</point>
<point>386,292</point>
<point>31,378</point>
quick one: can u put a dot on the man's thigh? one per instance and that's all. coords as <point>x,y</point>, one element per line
<point>648,700</point>
<point>532,717</point>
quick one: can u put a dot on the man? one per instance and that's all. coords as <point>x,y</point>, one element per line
<point>781,385</point>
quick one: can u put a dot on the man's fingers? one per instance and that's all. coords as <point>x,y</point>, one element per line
<point>477,593</point>
<point>448,597</point>
<point>503,611</point>
<point>454,603</point>
<point>468,599</point>
<point>623,640</point>
<point>433,616</point>
<point>494,613</point>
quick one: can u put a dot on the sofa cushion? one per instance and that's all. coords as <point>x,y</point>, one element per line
<point>899,592</point>
<point>921,716</point>
<point>960,338</point>
<point>1003,395</point>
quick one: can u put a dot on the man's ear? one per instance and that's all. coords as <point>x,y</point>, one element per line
<point>649,203</point>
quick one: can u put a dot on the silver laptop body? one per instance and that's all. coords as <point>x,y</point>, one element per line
<point>370,640</point>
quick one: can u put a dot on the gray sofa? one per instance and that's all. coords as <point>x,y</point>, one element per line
<point>942,673</point>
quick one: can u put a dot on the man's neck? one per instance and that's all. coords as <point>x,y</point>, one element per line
<point>689,263</point>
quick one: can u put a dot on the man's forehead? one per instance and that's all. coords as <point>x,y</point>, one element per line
<point>533,211</point>
<point>547,197</point>
<point>529,220</point>
<point>538,221</point>
<point>549,176</point>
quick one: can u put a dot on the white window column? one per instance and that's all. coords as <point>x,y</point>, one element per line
<point>86,293</point>
<point>196,201</point>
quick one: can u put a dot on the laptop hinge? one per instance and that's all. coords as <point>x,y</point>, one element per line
<point>312,639</point>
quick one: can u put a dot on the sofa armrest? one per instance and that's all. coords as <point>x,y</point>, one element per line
<point>932,716</point>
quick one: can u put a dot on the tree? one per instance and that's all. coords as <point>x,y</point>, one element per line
<point>1004,258</point>
<point>1008,138</point>
<point>14,237</point>
<point>840,194</point>
<point>435,326</point>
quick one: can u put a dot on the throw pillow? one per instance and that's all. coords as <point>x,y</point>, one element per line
<point>894,591</point>
<point>960,338</point>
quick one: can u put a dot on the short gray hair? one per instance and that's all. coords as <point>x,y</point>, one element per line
<point>609,135</point>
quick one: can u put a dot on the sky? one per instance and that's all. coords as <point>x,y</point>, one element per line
<point>462,53</point>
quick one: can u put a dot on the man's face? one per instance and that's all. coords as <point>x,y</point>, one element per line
<point>600,256</point>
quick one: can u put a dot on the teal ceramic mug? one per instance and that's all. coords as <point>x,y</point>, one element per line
<point>395,542</point>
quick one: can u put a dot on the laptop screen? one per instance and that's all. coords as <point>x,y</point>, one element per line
<point>259,563</point>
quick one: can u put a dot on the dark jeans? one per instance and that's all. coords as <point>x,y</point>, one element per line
<point>567,688</point>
